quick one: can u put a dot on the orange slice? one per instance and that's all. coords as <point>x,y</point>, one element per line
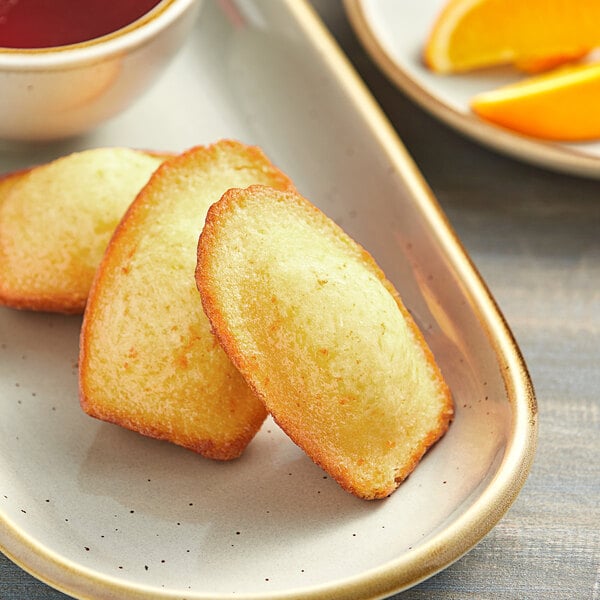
<point>545,63</point>
<point>560,105</point>
<point>470,34</point>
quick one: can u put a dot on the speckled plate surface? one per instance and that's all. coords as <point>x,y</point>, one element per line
<point>100,512</point>
<point>394,33</point>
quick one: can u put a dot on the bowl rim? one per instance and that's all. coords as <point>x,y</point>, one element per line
<point>122,40</point>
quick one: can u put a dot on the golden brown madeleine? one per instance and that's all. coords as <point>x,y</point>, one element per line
<point>322,337</point>
<point>149,361</point>
<point>56,220</point>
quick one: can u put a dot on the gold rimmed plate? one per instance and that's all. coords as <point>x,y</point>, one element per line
<point>394,33</point>
<point>97,511</point>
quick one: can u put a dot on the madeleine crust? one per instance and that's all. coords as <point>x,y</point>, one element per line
<point>149,361</point>
<point>56,220</point>
<point>322,337</point>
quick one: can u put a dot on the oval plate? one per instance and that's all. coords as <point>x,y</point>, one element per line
<point>100,512</point>
<point>394,33</point>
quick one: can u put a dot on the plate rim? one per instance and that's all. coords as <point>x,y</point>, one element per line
<point>446,546</point>
<point>549,155</point>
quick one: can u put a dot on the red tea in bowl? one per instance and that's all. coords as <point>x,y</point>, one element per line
<point>50,23</point>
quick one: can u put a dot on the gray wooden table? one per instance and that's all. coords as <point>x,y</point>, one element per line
<point>535,237</point>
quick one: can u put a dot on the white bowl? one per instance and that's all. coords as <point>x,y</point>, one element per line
<point>51,93</point>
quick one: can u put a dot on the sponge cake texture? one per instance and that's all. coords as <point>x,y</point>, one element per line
<point>322,337</point>
<point>149,361</point>
<point>56,220</point>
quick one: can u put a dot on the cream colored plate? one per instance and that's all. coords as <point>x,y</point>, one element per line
<point>394,32</point>
<point>101,512</point>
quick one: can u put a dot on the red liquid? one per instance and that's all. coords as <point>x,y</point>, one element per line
<point>49,23</point>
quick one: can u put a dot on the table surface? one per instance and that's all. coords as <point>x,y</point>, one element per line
<point>535,237</point>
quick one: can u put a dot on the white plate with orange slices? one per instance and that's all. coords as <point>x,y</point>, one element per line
<point>427,66</point>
